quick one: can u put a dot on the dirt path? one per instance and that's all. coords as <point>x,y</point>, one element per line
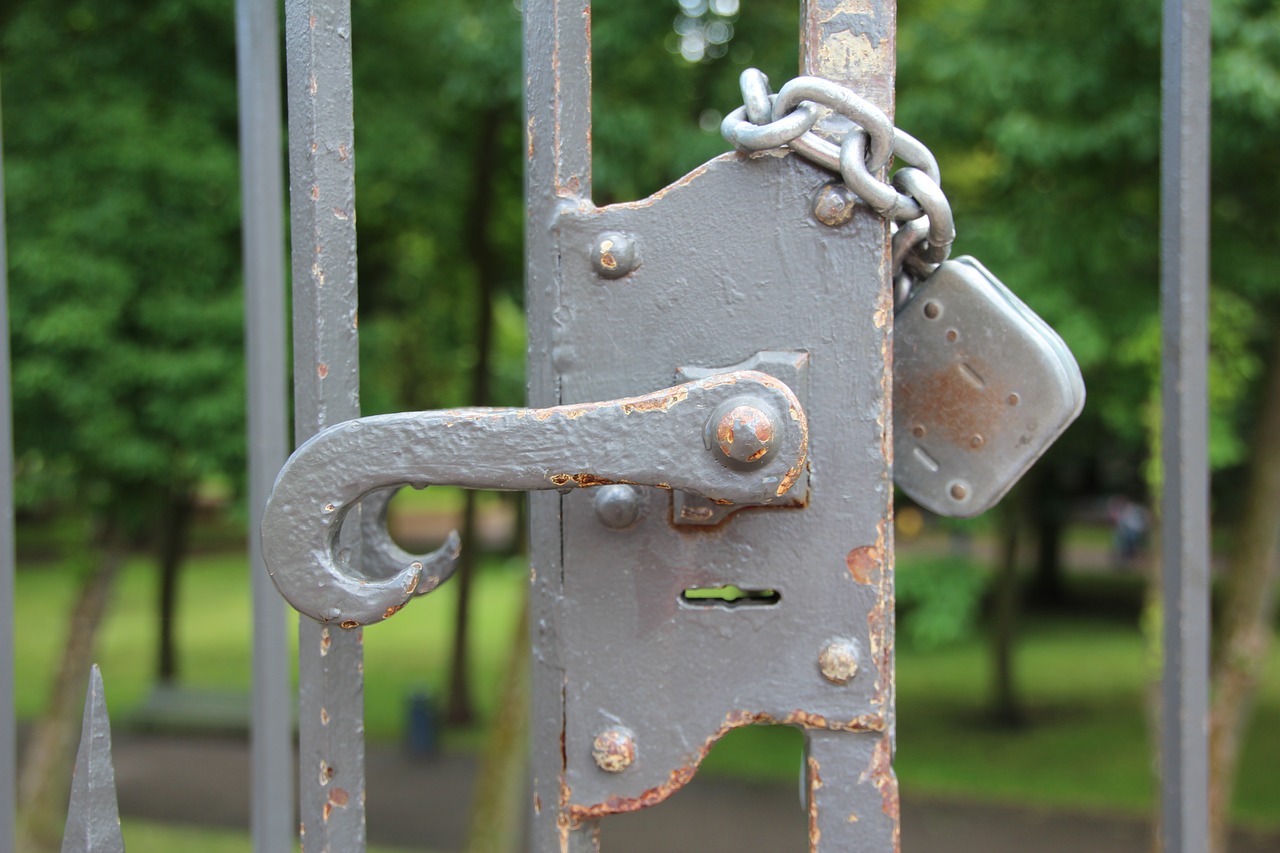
<point>424,804</point>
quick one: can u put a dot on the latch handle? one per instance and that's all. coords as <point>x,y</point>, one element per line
<point>689,437</point>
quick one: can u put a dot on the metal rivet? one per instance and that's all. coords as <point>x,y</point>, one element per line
<point>614,749</point>
<point>617,506</point>
<point>742,432</point>
<point>833,204</point>
<point>959,491</point>
<point>932,310</point>
<point>918,432</point>
<point>977,441</point>
<point>839,661</point>
<point>614,255</point>
<point>952,335</point>
<point>1013,399</point>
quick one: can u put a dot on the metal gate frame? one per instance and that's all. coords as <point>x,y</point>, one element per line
<point>331,704</point>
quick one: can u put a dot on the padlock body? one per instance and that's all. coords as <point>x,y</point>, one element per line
<point>982,387</point>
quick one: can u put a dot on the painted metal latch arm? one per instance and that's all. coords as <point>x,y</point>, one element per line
<point>740,436</point>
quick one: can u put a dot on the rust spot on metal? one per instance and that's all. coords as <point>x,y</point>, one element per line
<point>581,481</point>
<point>328,810</point>
<point>322,370</point>
<point>953,404</point>
<point>412,585</point>
<point>654,404</point>
<point>391,611</point>
<point>349,624</point>
<point>537,803</point>
<point>614,750</point>
<point>325,641</point>
<point>815,782</point>
<point>315,192</point>
<point>866,562</point>
<point>324,716</point>
<point>338,797</point>
<point>679,777</point>
<point>880,774</point>
<point>343,152</point>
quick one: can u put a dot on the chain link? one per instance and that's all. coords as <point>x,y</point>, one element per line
<point>834,127</point>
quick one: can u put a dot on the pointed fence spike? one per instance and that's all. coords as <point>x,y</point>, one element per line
<point>93,817</point>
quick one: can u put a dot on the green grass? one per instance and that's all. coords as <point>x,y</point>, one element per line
<point>1085,745</point>
<point>146,837</point>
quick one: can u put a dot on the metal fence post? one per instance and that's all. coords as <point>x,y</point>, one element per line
<point>1184,545</point>
<point>326,391</point>
<point>633,685</point>
<point>262,237</point>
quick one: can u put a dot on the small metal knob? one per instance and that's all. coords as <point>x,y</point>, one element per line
<point>742,432</point>
<point>618,506</point>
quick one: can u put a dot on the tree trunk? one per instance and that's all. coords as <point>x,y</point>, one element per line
<point>484,260</point>
<point>1006,708</point>
<point>458,709</point>
<point>173,547</point>
<point>1245,624</point>
<point>1050,509</point>
<point>499,811</point>
<point>45,778</point>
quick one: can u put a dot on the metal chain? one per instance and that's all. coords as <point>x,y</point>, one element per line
<point>809,115</point>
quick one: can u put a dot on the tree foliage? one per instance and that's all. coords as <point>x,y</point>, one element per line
<point>123,232</point>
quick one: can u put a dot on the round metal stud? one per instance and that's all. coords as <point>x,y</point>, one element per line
<point>614,255</point>
<point>743,432</point>
<point>839,661</point>
<point>614,750</point>
<point>618,506</point>
<point>833,204</point>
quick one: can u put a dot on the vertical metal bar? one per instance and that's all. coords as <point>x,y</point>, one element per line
<point>8,738</point>
<point>854,42</point>
<point>326,391</point>
<point>557,44</point>
<point>262,238</point>
<point>1184,290</point>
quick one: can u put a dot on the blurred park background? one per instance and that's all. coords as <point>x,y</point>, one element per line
<point>1026,654</point>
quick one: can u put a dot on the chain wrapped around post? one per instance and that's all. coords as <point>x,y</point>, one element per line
<point>837,129</point>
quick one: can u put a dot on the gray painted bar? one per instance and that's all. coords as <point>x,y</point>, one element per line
<point>262,237</point>
<point>1184,292</point>
<point>326,391</point>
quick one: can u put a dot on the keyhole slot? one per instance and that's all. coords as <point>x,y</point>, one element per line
<point>729,596</point>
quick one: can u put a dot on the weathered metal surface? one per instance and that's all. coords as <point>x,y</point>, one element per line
<point>982,387</point>
<point>8,737</point>
<point>1184,538</point>
<point>733,263</point>
<point>331,785</point>
<point>662,439</point>
<point>93,815</point>
<point>262,236</point>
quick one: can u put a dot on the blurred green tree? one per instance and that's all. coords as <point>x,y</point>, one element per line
<point>125,305</point>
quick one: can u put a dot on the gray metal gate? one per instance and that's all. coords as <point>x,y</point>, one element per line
<point>644,318</point>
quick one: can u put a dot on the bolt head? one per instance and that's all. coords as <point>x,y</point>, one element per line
<point>839,661</point>
<point>614,750</point>
<point>833,204</point>
<point>614,255</point>
<point>618,506</point>
<point>743,432</point>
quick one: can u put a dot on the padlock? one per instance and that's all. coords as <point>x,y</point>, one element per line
<point>982,387</point>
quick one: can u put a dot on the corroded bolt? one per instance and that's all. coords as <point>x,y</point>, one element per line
<point>614,255</point>
<point>833,204</point>
<point>742,432</point>
<point>839,661</point>
<point>618,505</point>
<point>614,749</point>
